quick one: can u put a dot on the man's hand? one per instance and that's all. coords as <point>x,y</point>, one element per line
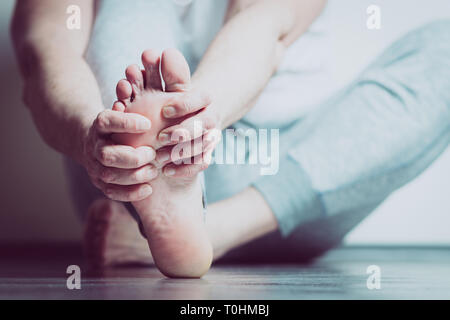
<point>192,142</point>
<point>121,172</point>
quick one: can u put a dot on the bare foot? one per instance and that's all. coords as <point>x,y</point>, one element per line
<point>173,215</point>
<point>112,237</point>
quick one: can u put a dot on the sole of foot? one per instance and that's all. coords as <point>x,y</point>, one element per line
<point>173,215</point>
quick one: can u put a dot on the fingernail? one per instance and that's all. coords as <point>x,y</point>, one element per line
<point>153,174</point>
<point>169,172</point>
<point>179,136</point>
<point>169,111</point>
<point>148,172</point>
<point>144,125</point>
<point>151,154</point>
<point>164,137</point>
<point>145,190</point>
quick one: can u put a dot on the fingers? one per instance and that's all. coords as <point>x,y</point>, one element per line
<point>199,163</point>
<point>192,162</point>
<point>182,104</point>
<point>112,121</point>
<point>124,193</point>
<point>183,152</point>
<point>189,129</point>
<point>123,184</point>
<point>122,156</point>
<point>126,177</point>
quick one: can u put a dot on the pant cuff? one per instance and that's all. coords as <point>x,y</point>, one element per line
<point>290,195</point>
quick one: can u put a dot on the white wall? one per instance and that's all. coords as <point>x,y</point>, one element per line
<point>417,214</point>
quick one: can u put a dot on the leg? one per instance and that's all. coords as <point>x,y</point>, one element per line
<point>339,184</point>
<point>346,158</point>
<point>376,136</point>
<point>112,236</point>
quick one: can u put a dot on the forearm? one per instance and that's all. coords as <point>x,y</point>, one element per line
<point>246,52</point>
<point>59,88</point>
<point>63,98</point>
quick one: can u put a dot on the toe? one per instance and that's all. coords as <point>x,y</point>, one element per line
<point>124,91</point>
<point>134,76</point>
<point>118,106</point>
<point>151,61</point>
<point>175,70</point>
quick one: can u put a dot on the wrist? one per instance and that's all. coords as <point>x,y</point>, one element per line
<point>81,131</point>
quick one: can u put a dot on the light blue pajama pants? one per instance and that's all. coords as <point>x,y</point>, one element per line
<point>341,161</point>
<point>338,163</point>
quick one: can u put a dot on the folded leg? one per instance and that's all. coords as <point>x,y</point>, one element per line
<point>347,157</point>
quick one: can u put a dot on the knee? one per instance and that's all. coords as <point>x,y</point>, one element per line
<point>429,43</point>
<point>432,43</point>
<point>415,71</point>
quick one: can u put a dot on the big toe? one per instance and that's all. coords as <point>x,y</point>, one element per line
<point>151,61</point>
<point>175,71</point>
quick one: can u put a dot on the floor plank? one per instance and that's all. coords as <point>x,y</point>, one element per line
<point>406,273</point>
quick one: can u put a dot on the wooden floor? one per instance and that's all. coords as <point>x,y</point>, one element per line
<point>413,273</point>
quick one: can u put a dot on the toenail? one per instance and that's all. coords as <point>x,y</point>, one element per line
<point>169,111</point>
<point>169,172</point>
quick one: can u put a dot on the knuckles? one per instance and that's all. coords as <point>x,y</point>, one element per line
<point>102,121</point>
<point>129,124</point>
<point>135,161</point>
<point>106,175</point>
<point>106,157</point>
<point>185,106</point>
<point>138,176</point>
